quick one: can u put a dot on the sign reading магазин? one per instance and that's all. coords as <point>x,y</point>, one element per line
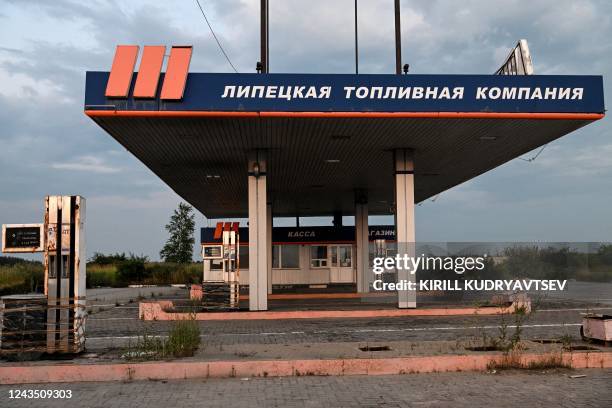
<point>368,93</point>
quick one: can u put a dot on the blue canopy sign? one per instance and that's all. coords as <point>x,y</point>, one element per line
<point>367,93</point>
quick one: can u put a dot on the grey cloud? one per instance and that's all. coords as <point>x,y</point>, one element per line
<point>89,164</point>
<point>471,36</point>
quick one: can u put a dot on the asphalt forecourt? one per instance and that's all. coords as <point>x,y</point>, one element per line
<point>117,320</point>
<point>549,337</point>
<point>115,325</point>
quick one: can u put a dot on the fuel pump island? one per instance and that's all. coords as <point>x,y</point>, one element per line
<point>265,145</point>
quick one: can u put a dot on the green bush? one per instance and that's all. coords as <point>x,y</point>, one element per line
<point>131,271</point>
<point>115,270</point>
<point>557,263</point>
<point>173,273</point>
<point>160,272</point>
<point>110,259</point>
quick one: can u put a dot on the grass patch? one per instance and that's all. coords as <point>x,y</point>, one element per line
<point>146,347</point>
<point>183,340</point>
<point>580,348</point>
<point>512,360</point>
<point>25,277</point>
<point>134,272</point>
<point>172,273</point>
<point>549,362</point>
<point>101,275</point>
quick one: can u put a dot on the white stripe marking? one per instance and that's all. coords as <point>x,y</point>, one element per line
<point>357,331</point>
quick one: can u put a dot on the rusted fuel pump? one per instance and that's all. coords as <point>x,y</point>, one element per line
<point>220,283</point>
<point>53,322</point>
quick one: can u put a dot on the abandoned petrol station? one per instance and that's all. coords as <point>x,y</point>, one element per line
<point>295,145</point>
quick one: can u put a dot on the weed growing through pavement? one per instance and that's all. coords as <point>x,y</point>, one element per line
<point>509,342</point>
<point>549,362</point>
<point>566,340</point>
<point>509,332</point>
<point>182,341</point>
<point>184,338</point>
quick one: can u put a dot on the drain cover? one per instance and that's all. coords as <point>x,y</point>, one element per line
<point>375,348</point>
<point>580,348</point>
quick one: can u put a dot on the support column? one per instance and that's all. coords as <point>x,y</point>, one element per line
<point>269,245</point>
<point>362,243</point>
<point>337,220</point>
<point>258,231</point>
<point>404,219</point>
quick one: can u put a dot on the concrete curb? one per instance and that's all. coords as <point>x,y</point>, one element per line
<point>174,370</point>
<point>195,292</point>
<point>155,310</point>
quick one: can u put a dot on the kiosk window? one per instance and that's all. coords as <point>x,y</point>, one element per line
<point>318,256</point>
<point>275,256</point>
<point>285,256</point>
<point>243,252</point>
<point>341,256</point>
<point>345,256</point>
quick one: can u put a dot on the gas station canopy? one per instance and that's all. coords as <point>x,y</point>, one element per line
<point>327,137</point>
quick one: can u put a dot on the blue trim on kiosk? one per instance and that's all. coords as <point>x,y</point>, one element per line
<point>308,235</point>
<point>365,93</point>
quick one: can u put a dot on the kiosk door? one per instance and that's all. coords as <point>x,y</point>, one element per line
<point>342,264</point>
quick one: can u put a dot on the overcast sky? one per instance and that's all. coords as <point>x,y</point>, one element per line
<point>48,146</point>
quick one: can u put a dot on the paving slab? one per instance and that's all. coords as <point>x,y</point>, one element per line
<point>478,390</point>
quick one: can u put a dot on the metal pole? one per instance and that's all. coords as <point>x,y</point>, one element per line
<point>356,42</point>
<point>267,36</point>
<point>264,36</point>
<point>398,39</point>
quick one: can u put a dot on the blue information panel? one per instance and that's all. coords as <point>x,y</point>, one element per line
<point>367,93</point>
